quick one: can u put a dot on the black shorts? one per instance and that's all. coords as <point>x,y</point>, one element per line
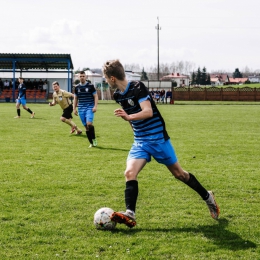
<point>67,112</point>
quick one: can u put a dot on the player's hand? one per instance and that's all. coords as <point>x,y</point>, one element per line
<point>75,112</point>
<point>121,113</point>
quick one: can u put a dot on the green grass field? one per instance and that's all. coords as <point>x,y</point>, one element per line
<point>52,184</point>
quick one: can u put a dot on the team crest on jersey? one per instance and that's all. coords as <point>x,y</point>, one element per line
<point>86,89</point>
<point>131,102</point>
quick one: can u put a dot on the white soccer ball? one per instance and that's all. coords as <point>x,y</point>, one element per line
<point>102,219</point>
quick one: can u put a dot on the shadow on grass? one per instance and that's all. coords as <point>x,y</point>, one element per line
<point>100,147</point>
<point>218,234</point>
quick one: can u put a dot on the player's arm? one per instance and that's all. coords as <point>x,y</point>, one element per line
<point>53,103</point>
<point>146,112</point>
<point>75,104</point>
<point>95,102</point>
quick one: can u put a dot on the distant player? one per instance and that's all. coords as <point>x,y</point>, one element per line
<point>21,99</point>
<point>62,98</point>
<point>150,140</point>
<point>86,99</point>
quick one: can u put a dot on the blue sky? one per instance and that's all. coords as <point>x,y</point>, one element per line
<point>217,34</point>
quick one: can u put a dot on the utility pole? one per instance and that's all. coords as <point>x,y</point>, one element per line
<point>158,28</point>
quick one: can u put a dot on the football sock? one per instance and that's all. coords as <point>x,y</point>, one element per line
<point>18,111</point>
<point>92,131</point>
<point>195,185</point>
<point>89,137</point>
<point>29,110</point>
<point>131,194</point>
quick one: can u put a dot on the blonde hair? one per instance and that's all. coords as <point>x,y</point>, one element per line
<point>114,68</point>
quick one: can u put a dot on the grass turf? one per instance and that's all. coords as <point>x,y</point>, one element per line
<point>52,184</point>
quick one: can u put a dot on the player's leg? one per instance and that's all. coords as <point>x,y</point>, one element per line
<point>192,182</point>
<point>134,166</point>
<point>23,102</point>
<point>82,112</point>
<point>137,159</point>
<point>18,110</point>
<point>67,118</point>
<point>91,128</point>
<point>166,150</point>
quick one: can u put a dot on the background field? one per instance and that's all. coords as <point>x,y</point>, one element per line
<point>52,184</point>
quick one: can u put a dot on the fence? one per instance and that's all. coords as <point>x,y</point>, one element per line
<point>216,94</point>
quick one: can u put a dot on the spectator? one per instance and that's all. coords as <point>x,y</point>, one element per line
<point>1,85</point>
<point>152,92</point>
<point>162,95</point>
<point>35,84</point>
<point>7,84</point>
<point>40,84</point>
<point>168,95</point>
<point>16,84</point>
<point>157,95</point>
<point>29,84</point>
<point>45,86</point>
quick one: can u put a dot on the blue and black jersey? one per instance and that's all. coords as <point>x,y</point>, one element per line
<point>85,93</point>
<point>21,91</point>
<point>150,129</point>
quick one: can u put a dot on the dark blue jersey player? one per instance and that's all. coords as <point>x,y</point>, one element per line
<point>86,99</point>
<point>21,99</point>
<point>150,140</point>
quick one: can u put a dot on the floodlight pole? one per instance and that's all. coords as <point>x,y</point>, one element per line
<point>158,68</point>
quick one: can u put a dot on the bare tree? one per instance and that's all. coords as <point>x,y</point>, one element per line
<point>133,67</point>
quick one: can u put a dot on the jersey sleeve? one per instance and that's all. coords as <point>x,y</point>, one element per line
<point>141,92</point>
<point>93,89</point>
<point>67,94</point>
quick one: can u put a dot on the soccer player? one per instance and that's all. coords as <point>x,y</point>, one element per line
<point>21,99</point>
<point>62,98</point>
<point>150,140</point>
<point>86,99</point>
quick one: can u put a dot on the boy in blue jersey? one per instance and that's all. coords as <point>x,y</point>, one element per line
<point>150,140</point>
<point>21,99</point>
<point>86,99</point>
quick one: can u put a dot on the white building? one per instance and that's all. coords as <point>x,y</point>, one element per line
<point>131,76</point>
<point>95,78</point>
<point>181,80</point>
<point>254,79</point>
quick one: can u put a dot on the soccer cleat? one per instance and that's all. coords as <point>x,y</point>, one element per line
<point>79,132</point>
<point>94,142</point>
<point>33,114</point>
<point>73,129</point>
<point>16,117</point>
<point>212,205</point>
<point>127,218</point>
<point>90,146</point>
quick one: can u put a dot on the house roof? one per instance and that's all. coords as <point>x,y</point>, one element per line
<point>221,76</point>
<point>27,61</point>
<point>214,79</point>
<point>92,73</point>
<point>175,76</point>
<point>237,80</point>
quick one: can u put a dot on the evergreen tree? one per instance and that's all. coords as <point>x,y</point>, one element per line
<point>198,76</point>
<point>144,75</point>
<point>203,76</point>
<point>193,78</point>
<point>237,74</point>
<point>208,81</point>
